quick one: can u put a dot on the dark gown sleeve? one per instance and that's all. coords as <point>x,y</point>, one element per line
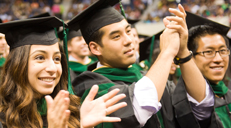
<point>73,75</point>
<point>182,107</point>
<point>183,111</point>
<point>167,111</point>
<point>87,79</point>
<point>128,119</point>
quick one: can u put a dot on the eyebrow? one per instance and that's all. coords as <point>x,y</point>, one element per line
<point>223,46</point>
<point>44,52</point>
<point>129,25</point>
<point>117,31</point>
<point>213,47</point>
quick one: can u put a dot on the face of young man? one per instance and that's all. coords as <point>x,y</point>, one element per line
<point>212,68</point>
<point>118,46</point>
<point>136,39</point>
<point>78,47</point>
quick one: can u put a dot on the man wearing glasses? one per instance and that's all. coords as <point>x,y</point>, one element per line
<point>209,44</point>
<point>212,58</point>
<point>212,54</point>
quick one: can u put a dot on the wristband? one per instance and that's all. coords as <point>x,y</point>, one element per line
<point>179,61</point>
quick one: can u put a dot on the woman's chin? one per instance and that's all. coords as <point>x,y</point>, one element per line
<point>46,92</point>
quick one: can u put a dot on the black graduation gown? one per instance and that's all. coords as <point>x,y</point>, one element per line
<point>87,79</point>
<point>75,71</point>
<point>183,110</point>
<point>73,75</point>
<point>166,110</point>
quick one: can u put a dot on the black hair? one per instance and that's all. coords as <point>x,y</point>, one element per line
<point>195,33</point>
<point>97,37</point>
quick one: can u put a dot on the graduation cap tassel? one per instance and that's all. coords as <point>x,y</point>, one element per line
<point>151,51</point>
<point>56,32</point>
<point>122,10</point>
<point>66,52</point>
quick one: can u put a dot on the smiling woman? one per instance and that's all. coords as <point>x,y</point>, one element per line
<point>44,67</point>
<point>34,83</point>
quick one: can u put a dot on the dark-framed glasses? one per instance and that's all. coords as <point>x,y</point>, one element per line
<point>212,53</point>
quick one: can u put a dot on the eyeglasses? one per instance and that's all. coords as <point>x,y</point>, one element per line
<point>212,53</point>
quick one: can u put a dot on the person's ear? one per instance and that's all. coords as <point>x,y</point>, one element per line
<point>69,48</point>
<point>95,48</point>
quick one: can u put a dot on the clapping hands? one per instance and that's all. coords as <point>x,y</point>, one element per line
<point>57,110</point>
<point>93,112</point>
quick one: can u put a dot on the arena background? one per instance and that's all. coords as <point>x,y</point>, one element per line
<point>149,12</point>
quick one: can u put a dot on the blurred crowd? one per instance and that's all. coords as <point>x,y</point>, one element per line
<point>133,8</point>
<point>205,8</point>
<point>22,9</point>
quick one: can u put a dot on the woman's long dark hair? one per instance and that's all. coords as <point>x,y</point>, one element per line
<point>17,102</point>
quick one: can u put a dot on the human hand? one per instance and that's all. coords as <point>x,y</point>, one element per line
<point>57,110</point>
<point>169,41</point>
<point>178,22</point>
<point>93,112</point>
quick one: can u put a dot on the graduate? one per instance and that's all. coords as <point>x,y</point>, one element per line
<point>109,37</point>
<point>34,89</point>
<point>78,52</point>
<point>210,47</point>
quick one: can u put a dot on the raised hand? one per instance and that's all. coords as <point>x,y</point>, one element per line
<point>57,110</point>
<point>178,22</point>
<point>169,41</point>
<point>93,112</point>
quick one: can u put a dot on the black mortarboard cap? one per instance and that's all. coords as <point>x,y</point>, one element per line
<point>195,20</point>
<point>71,34</point>
<point>46,14</point>
<point>31,31</point>
<point>96,16</point>
<point>132,22</point>
<point>146,44</point>
<point>143,36</point>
